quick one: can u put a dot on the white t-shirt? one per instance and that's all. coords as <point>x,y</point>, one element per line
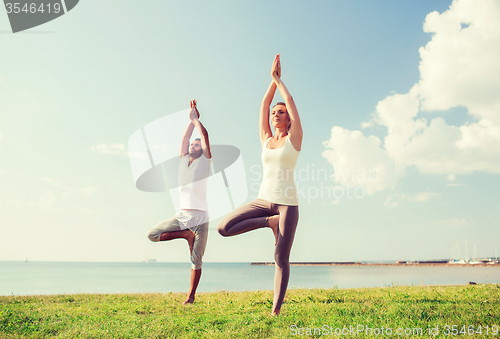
<point>193,181</point>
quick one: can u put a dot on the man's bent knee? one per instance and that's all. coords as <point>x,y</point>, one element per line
<point>153,236</point>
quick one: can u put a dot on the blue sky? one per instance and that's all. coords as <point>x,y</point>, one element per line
<point>364,76</point>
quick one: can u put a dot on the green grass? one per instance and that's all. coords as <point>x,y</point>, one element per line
<point>247,314</point>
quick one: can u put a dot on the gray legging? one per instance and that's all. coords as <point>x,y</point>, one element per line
<point>255,215</point>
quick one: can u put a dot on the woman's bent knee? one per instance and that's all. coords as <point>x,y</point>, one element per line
<point>221,228</point>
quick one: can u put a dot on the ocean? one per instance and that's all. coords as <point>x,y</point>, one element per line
<point>35,278</point>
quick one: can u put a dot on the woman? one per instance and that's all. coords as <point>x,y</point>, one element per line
<point>277,204</point>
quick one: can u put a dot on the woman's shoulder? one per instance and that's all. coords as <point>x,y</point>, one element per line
<point>265,142</point>
<point>289,139</point>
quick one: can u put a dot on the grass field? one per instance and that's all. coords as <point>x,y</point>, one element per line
<point>305,313</point>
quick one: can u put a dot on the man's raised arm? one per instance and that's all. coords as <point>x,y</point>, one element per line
<point>189,131</point>
<point>185,139</point>
<point>205,143</point>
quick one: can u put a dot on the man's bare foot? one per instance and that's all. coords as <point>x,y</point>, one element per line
<point>190,239</point>
<point>274,225</point>
<point>275,312</point>
<point>189,300</point>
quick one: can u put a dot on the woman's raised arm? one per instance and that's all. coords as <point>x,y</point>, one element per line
<point>296,127</point>
<point>264,127</point>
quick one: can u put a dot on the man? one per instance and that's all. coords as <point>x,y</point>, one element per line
<point>191,223</point>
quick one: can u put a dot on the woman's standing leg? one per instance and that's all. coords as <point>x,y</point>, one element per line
<point>289,217</point>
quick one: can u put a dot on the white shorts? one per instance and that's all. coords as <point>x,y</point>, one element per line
<point>192,218</point>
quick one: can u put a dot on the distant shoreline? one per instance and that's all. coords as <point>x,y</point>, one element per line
<point>398,264</point>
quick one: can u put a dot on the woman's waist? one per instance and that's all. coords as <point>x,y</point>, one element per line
<point>270,184</point>
<point>279,194</point>
<point>279,174</point>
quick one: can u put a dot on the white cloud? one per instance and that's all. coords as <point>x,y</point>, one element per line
<point>424,196</point>
<point>50,180</point>
<point>453,223</point>
<point>138,155</point>
<point>61,193</point>
<point>454,185</point>
<point>88,191</point>
<point>359,160</point>
<point>392,199</point>
<point>55,183</point>
<point>113,149</point>
<point>459,67</point>
<point>390,202</point>
<point>47,201</point>
<point>367,124</point>
<point>451,177</point>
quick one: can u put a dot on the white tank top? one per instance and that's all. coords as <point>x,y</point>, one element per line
<point>278,164</point>
<point>193,181</point>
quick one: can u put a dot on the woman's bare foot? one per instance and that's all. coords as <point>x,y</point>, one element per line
<point>274,225</point>
<point>275,312</point>
<point>189,300</point>
<point>190,239</point>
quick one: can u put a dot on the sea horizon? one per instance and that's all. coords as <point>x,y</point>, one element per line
<point>357,262</point>
<point>35,278</point>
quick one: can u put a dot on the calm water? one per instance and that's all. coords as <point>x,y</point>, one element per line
<point>19,278</point>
